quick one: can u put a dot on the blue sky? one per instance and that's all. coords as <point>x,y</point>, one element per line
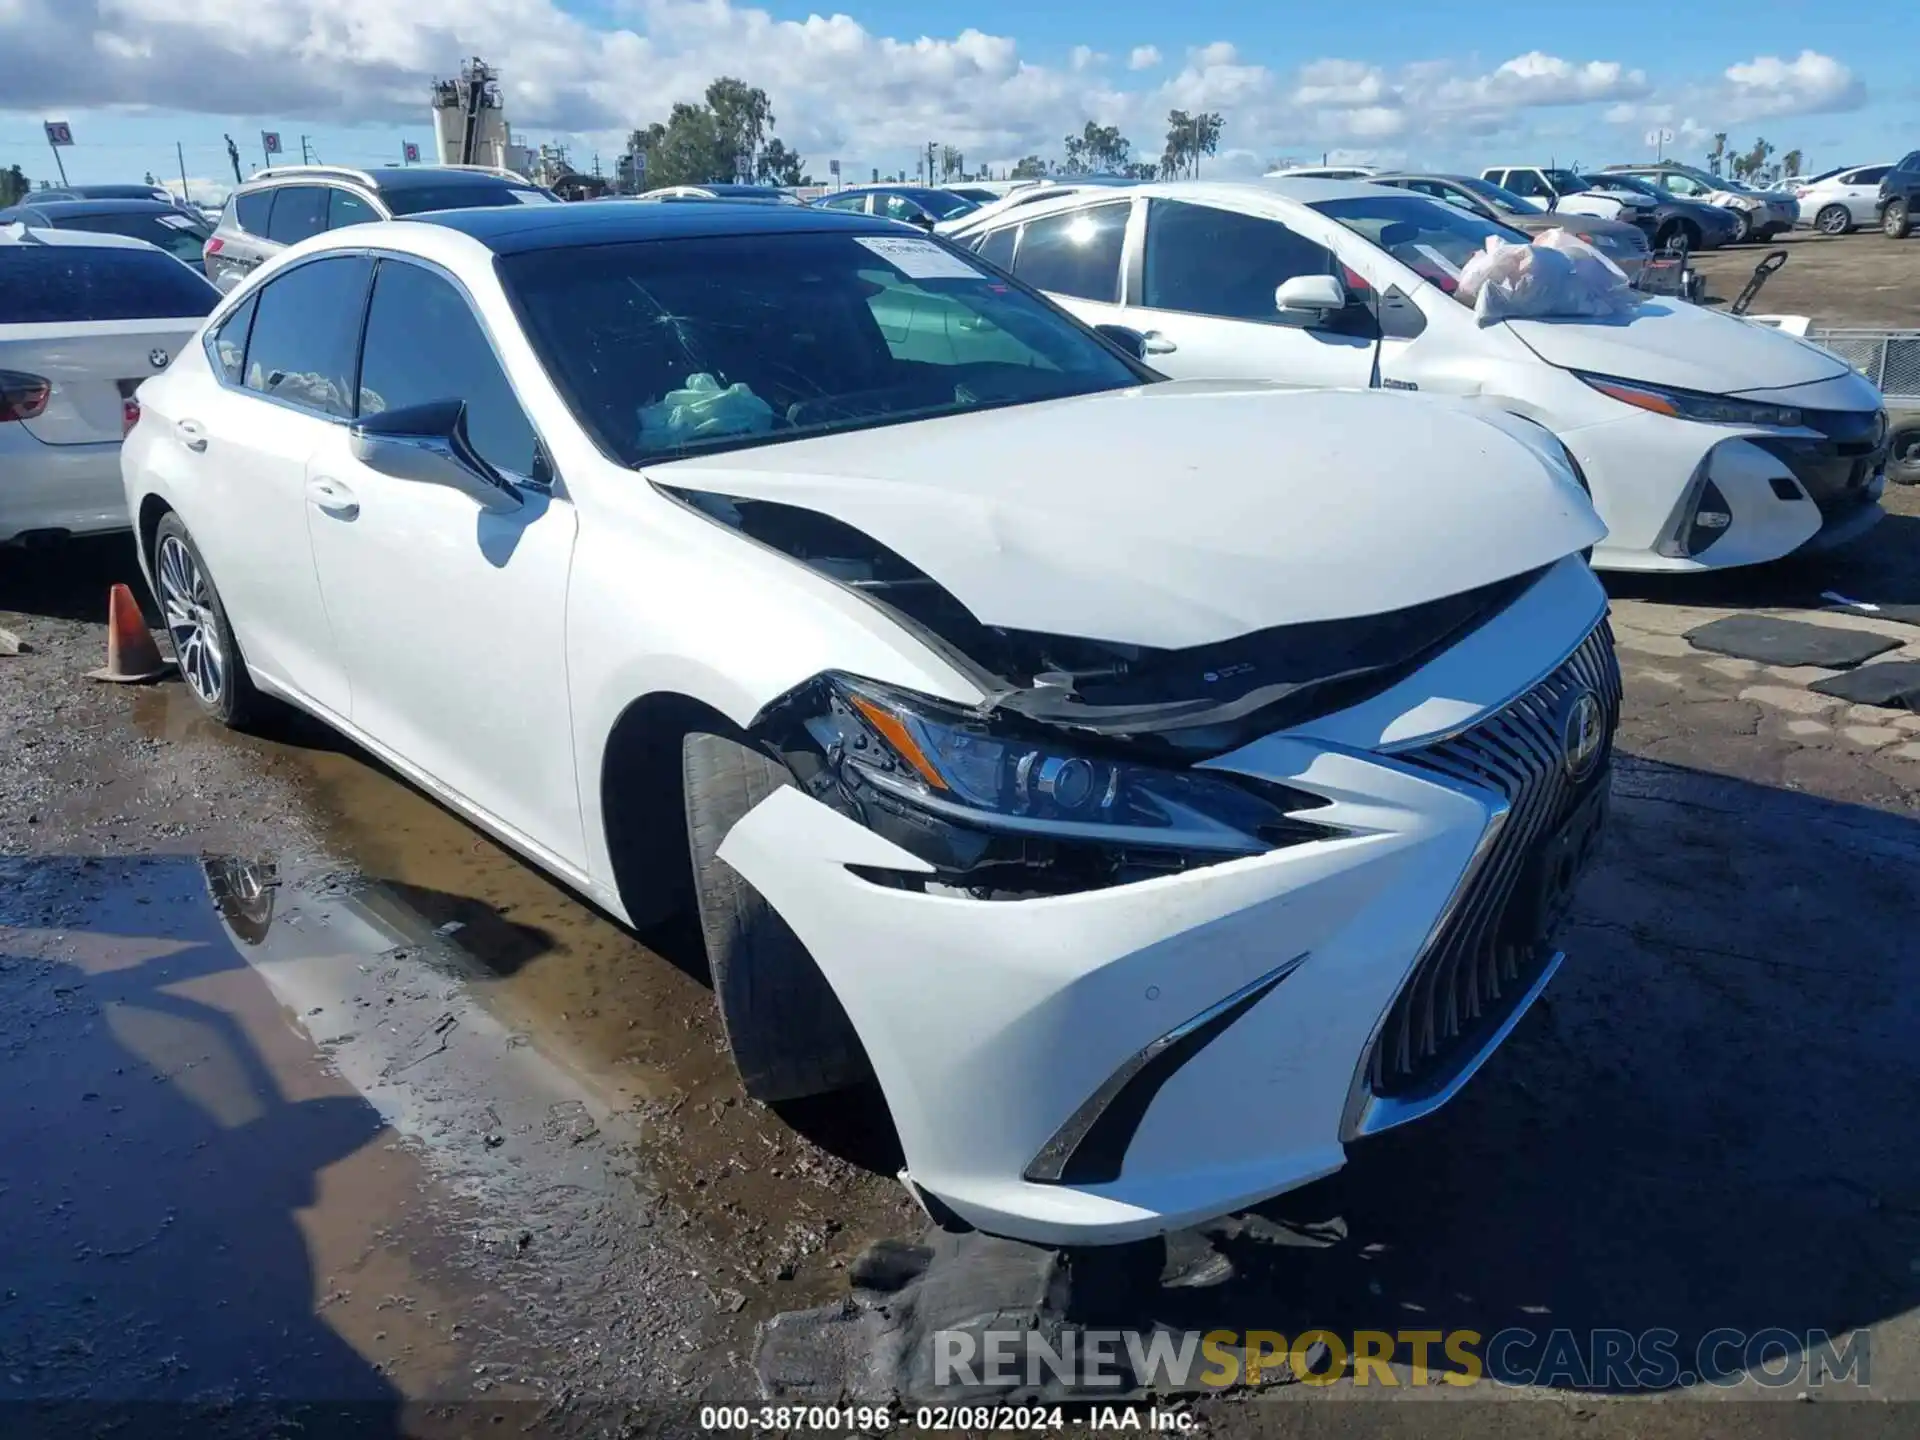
<point>1444,86</point>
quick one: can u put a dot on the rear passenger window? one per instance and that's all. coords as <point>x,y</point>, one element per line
<point>346,208</point>
<point>1077,253</point>
<point>230,342</point>
<point>253,209</point>
<point>1207,261</point>
<point>298,212</point>
<point>304,333</point>
<point>424,344</point>
<point>998,247</point>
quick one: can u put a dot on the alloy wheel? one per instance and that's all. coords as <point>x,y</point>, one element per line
<point>1834,220</point>
<point>186,599</point>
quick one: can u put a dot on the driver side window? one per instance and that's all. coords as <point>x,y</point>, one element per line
<point>1205,261</point>
<point>424,344</point>
<point>1526,183</point>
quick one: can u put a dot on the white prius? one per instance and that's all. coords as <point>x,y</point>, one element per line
<point>1158,786</point>
<point>1708,442</point>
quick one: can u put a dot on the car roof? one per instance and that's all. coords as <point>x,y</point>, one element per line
<point>510,230</point>
<point>387,179</point>
<point>14,233</point>
<point>61,209</point>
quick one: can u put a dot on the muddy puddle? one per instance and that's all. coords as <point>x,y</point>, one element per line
<point>779,1201</point>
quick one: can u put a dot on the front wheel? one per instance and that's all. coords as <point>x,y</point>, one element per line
<point>1833,220</point>
<point>1897,223</point>
<point>789,1035</point>
<point>1742,227</point>
<point>209,658</point>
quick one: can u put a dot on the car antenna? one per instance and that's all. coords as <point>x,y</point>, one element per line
<point>1379,335</point>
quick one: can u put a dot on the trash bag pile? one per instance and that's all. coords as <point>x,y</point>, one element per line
<point>1558,274</point>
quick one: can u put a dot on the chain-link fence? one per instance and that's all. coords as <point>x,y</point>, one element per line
<point>1889,358</point>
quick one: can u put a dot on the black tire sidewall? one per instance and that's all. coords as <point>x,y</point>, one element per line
<point>1896,221</point>
<point>235,690</point>
<point>1820,220</point>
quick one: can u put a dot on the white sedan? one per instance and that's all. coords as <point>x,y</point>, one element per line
<point>1158,785</point>
<point>1708,442</point>
<point>85,319</point>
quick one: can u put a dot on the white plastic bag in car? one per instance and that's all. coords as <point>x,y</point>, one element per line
<point>703,409</point>
<point>1558,274</point>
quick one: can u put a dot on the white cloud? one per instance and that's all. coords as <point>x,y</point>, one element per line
<point>838,89</point>
<point>1810,84</point>
<point>201,190</point>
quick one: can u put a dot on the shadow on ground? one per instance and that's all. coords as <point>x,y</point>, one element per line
<point>155,1168</point>
<point>70,581</point>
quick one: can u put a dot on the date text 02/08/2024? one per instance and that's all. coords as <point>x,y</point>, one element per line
<point>941,1419</point>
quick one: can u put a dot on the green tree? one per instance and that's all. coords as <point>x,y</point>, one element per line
<point>779,165</point>
<point>952,163</point>
<point>1791,162</point>
<point>1751,163</point>
<point>1717,156</point>
<point>14,186</point>
<point>742,121</point>
<point>1030,168</point>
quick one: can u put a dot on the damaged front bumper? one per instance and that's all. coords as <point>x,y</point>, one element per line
<point>1109,1064</point>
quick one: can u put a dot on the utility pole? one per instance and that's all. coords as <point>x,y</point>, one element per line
<point>233,155</point>
<point>181,155</point>
<point>930,162</point>
<point>306,158</point>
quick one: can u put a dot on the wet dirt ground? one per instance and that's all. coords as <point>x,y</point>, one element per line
<point>317,1095</point>
<point>1858,279</point>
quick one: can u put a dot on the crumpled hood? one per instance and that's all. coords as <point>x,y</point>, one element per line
<point>1185,513</point>
<point>1669,342</point>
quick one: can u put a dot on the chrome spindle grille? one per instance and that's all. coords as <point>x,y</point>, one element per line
<point>1489,947</point>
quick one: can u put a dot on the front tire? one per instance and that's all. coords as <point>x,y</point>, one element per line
<point>789,1035</point>
<point>1742,228</point>
<point>203,645</point>
<point>1897,222</point>
<point>1833,220</point>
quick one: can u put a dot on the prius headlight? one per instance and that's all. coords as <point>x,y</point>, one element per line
<point>962,769</point>
<point>1692,405</point>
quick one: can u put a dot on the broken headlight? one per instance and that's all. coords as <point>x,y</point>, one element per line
<point>961,769</point>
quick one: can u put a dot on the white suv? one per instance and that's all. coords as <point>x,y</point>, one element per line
<point>1159,785</point>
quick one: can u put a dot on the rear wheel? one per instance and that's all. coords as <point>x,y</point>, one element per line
<point>789,1035</point>
<point>1897,222</point>
<point>1903,456</point>
<point>1676,231</point>
<point>1833,220</point>
<point>196,621</point>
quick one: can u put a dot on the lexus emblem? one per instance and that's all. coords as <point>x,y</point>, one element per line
<point>158,358</point>
<point>1581,734</point>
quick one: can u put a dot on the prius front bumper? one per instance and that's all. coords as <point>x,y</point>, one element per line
<point>1229,1028</point>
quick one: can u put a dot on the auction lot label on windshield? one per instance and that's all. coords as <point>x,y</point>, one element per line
<point>919,259</point>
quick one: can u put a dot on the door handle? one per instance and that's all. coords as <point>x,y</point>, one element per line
<point>191,434</point>
<point>332,498</point>
<point>1158,344</point>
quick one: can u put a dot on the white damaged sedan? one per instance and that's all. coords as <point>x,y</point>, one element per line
<point>1158,786</point>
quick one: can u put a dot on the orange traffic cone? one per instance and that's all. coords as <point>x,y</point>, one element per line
<point>131,654</point>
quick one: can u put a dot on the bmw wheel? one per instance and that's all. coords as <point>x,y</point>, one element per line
<point>1833,220</point>
<point>203,644</point>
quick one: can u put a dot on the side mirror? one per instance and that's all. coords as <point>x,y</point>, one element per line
<point>1127,338</point>
<point>428,444</point>
<point>1307,298</point>
<point>924,220</point>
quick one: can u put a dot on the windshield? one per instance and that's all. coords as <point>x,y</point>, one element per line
<point>418,199</point>
<point>1712,181</point>
<point>668,348</point>
<point>1631,183</point>
<point>1500,197</point>
<point>179,234</point>
<point>1433,240</point>
<point>43,284</point>
<point>943,204</point>
<point>1565,182</point>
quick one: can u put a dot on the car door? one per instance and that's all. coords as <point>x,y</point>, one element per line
<point>451,616</point>
<point>1205,295</point>
<point>283,386</point>
<point>1074,256</point>
<point>1860,192</point>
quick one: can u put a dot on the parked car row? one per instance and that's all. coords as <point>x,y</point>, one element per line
<point>1298,749</point>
